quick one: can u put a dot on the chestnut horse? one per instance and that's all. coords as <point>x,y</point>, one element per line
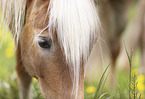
<point>53,41</point>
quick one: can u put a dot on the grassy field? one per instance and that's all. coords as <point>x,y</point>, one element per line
<point>9,87</point>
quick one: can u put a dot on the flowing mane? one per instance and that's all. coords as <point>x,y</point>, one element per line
<point>13,12</point>
<point>75,22</point>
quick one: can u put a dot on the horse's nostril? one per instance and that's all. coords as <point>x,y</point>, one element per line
<point>45,42</point>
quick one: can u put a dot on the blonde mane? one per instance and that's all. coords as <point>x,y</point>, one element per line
<point>75,21</point>
<point>13,12</point>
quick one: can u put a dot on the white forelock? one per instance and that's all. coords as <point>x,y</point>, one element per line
<point>76,22</point>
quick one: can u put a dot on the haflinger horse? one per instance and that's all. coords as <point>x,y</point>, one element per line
<point>53,41</point>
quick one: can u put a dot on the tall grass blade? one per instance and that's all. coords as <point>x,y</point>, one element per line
<point>130,64</point>
<point>104,82</point>
<point>103,95</point>
<point>100,83</point>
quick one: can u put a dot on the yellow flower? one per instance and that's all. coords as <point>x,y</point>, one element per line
<point>140,83</point>
<point>91,89</point>
<point>10,50</point>
<point>140,95</point>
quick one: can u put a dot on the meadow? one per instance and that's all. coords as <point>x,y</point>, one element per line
<point>125,87</point>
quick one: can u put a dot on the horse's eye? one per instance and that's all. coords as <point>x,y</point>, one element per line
<point>45,43</point>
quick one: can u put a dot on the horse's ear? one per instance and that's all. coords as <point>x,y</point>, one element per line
<point>29,3</point>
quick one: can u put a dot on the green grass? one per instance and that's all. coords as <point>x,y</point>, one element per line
<point>126,84</point>
<point>130,64</point>
<point>106,91</point>
<point>100,83</point>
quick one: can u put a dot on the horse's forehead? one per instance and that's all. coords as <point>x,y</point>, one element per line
<point>41,19</point>
<point>37,13</point>
<point>39,3</point>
